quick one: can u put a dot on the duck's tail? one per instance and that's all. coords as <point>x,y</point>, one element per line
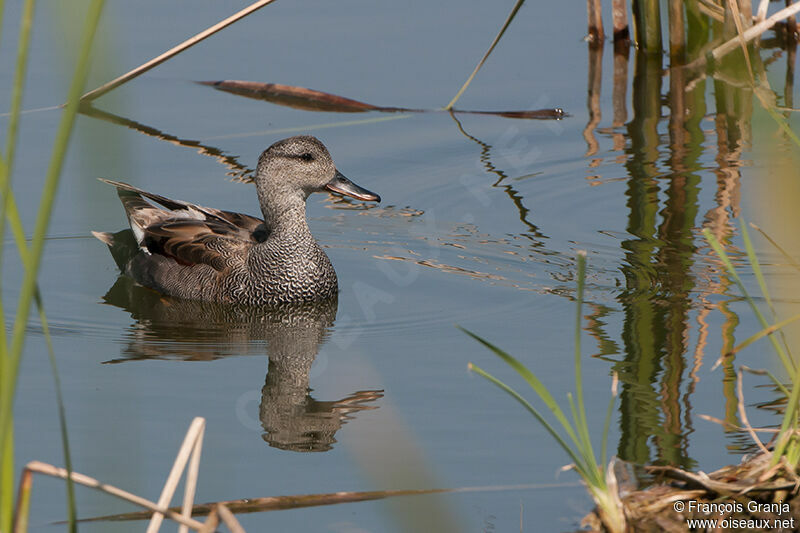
<point>104,236</point>
<point>122,244</point>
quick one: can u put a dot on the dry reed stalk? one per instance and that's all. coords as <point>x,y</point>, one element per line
<point>677,30</point>
<point>230,520</point>
<point>595,78</point>
<point>23,502</point>
<point>761,14</point>
<point>191,477</point>
<point>743,414</point>
<point>745,7</point>
<point>594,12</point>
<point>647,25</point>
<point>710,9</point>
<point>188,43</point>
<point>211,522</point>
<point>50,470</point>
<point>190,448</point>
<point>619,14</point>
<point>619,94</point>
<point>754,31</point>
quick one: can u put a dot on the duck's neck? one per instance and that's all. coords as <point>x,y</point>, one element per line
<point>286,215</point>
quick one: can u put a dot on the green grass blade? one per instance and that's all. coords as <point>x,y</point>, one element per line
<point>754,264</point>
<point>582,452</point>
<point>581,424</point>
<point>2,10</point>
<point>762,283</point>
<point>7,481</point>
<point>789,259</point>
<point>26,23</point>
<point>774,380</point>
<point>584,449</point>
<point>62,418</point>
<point>789,423</point>
<point>607,423</point>
<point>532,380</point>
<point>531,409</point>
<point>496,40</point>
<point>7,456</point>
<point>11,368</point>
<point>715,244</point>
<point>574,412</point>
<point>764,332</point>
<point>782,123</point>
<point>6,166</point>
<point>786,437</point>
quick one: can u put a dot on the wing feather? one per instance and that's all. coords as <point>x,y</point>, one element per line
<point>192,242</point>
<point>188,233</point>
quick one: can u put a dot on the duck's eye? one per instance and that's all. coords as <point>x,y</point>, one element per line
<point>307,157</point>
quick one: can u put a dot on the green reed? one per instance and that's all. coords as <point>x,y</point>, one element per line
<point>787,443</point>
<point>574,438</point>
<point>31,255</point>
<point>647,25</point>
<point>506,24</point>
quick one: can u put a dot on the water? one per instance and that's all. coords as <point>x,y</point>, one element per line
<point>480,222</point>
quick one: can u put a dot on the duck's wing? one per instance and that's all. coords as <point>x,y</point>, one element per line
<point>188,233</point>
<point>192,242</point>
<point>147,214</point>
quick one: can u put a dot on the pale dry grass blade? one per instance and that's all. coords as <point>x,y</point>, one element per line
<point>185,451</point>
<point>191,478</point>
<point>737,20</point>
<point>227,517</point>
<point>755,31</point>
<point>734,427</point>
<point>23,502</point>
<point>211,523</point>
<point>711,9</point>
<point>50,470</point>
<point>188,43</point>
<point>743,414</point>
<point>761,14</point>
<point>300,501</point>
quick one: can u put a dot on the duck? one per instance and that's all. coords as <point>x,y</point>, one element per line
<point>201,253</point>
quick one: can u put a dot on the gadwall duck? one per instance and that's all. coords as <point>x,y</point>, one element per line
<point>201,253</point>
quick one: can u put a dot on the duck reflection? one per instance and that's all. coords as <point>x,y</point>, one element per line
<point>170,328</point>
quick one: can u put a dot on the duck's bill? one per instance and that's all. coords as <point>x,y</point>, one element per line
<point>344,186</point>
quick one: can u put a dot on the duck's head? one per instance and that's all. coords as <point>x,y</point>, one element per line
<point>300,166</point>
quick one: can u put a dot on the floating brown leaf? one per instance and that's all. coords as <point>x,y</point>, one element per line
<point>296,97</point>
<point>555,113</point>
<point>313,100</point>
<point>279,503</point>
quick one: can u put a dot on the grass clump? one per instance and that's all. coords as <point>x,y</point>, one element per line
<point>573,435</point>
<point>787,442</point>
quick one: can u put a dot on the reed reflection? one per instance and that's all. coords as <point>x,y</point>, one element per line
<point>291,336</point>
<point>662,262</point>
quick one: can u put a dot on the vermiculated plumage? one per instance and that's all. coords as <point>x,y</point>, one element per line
<point>201,253</point>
